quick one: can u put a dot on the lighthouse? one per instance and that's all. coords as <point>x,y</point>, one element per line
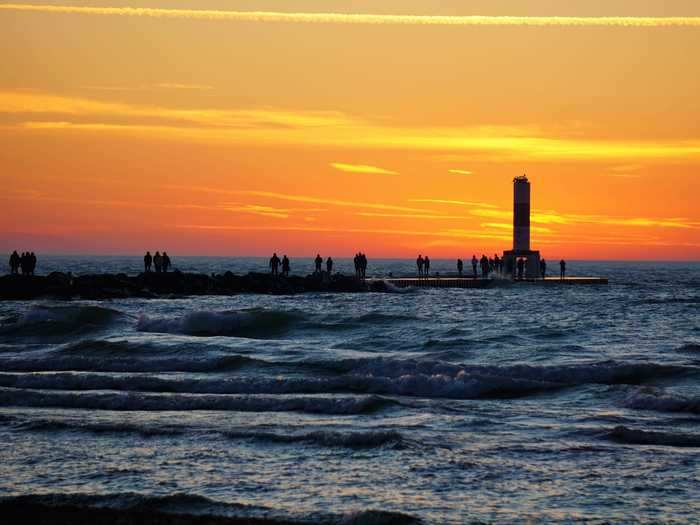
<point>521,232</point>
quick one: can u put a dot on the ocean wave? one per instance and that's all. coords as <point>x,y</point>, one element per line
<point>60,320</point>
<point>167,362</point>
<point>184,509</point>
<point>670,300</point>
<point>418,378</point>
<point>133,401</point>
<point>324,438</point>
<point>655,399</point>
<point>254,324</point>
<point>622,434</point>
<point>689,348</point>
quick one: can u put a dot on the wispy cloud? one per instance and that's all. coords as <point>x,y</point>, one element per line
<point>422,216</point>
<point>362,168</point>
<point>455,202</point>
<point>460,172</point>
<point>46,112</point>
<point>150,87</point>
<point>363,18</point>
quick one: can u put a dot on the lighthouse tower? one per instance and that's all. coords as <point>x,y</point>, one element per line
<point>521,233</point>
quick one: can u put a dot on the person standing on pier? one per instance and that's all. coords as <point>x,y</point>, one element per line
<point>460,267</point>
<point>419,264</point>
<point>274,264</point>
<point>521,268</point>
<point>543,268</point>
<point>426,265</point>
<point>562,269</point>
<point>474,265</point>
<point>484,267</point>
<point>329,266</point>
<point>147,262</point>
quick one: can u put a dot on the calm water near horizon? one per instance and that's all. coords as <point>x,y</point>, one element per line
<point>505,404</point>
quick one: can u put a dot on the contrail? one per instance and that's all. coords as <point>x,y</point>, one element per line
<point>364,18</point>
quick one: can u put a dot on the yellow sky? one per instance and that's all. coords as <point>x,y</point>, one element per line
<point>390,127</point>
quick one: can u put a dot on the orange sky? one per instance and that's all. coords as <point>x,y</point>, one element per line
<point>198,129</point>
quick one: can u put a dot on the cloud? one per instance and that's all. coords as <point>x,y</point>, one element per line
<point>148,87</point>
<point>271,126</point>
<point>363,18</point>
<point>422,216</point>
<point>461,172</point>
<point>361,168</point>
<point>455,202</point>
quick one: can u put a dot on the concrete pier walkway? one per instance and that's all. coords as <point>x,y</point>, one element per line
<point>470,282</point>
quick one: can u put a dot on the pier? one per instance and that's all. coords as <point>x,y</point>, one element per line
<point>470,282</point>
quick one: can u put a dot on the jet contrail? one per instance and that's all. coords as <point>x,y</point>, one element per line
<point>364,18</point>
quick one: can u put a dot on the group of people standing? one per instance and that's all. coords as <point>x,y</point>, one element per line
<point>423,264</point>
<point>360,261</point>
<point>161,263</point>
<point>318,263</point>
<point>26,263</point>
<point>276,262</point>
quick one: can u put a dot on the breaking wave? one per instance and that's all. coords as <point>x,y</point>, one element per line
<point>113,509</point>
<point>656,399</point>
<point>417,378</point>
<point>622,434</point>
<point>132,401</point>
<point>254,324</point>
<point>60,320</point>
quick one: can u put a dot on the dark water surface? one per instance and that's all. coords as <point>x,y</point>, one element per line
<point>572,403</point>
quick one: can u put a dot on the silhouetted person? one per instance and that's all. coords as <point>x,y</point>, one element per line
<point>285,266</point>
<point>329,265</point>
<point>14,263</point>
<point>419,264</point>
<point>274,264</point>
<point>543,268</point>
<point>426,265</point>
<point>318,261</point>
<point>474,265</point>
<point>166,262</point>
<point>521,268</point>
<point>496,262</point>
<point>363,265</point>
<point>32,263</point>
<point>484,267</point>
<point>562,269</point>
<point>460,267</point>
<point>158,262</point>
<point>147,262</point>
<point>356,260</point>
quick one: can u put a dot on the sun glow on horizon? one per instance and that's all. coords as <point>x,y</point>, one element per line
<point>385,132</point>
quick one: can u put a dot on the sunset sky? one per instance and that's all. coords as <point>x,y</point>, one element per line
<point>243,127</point>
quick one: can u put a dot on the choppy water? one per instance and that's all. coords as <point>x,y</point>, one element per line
<point>501,405</point>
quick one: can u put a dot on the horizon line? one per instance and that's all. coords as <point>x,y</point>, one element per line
<point>365,18</point>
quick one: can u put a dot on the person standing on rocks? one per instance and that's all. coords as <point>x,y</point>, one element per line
<point>274,264</point>
<point>329,266</point>
<point>318,261</point>
<point>166,262</point>
<point>158,262</point>
<point>14,263</point>
<point>147,262</point>
<point>285,266</point>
